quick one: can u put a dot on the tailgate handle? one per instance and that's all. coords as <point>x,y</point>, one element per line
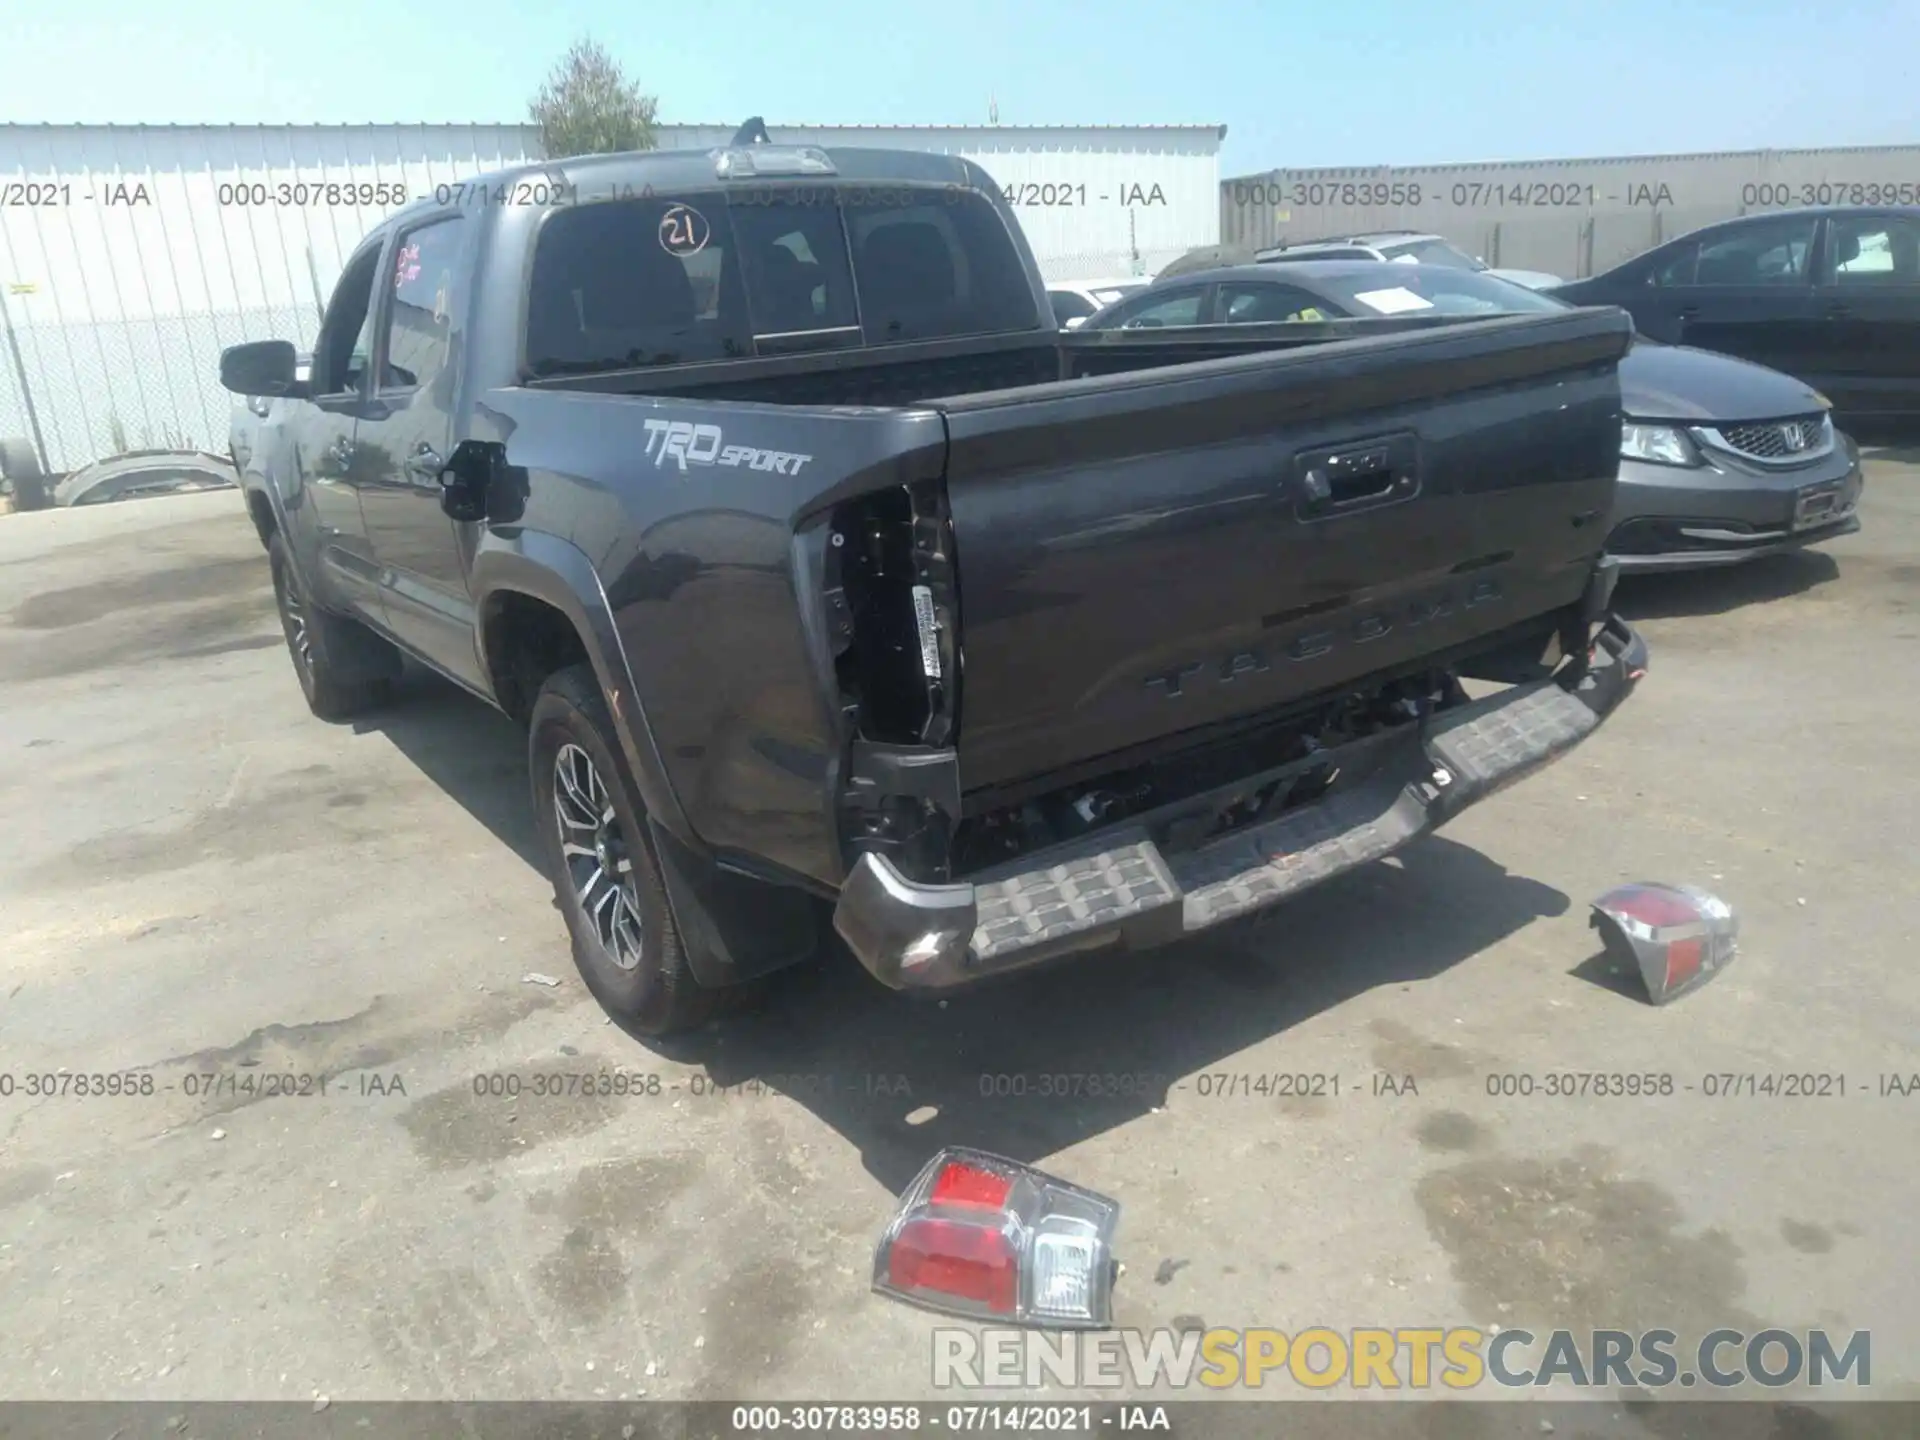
<point>1356,476</point>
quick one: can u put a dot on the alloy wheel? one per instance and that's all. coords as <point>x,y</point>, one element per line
<point>294,616</point>
<point>597,855</point>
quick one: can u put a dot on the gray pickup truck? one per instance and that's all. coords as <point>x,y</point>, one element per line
<point>834,583</point>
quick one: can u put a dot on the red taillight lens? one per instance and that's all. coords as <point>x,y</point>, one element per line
<point>959,1260</point>
<point>1683,962</point>
<point>984,1236</point>
<point>962,1184</point>
<point>1676,936</point>
<point>1658,908</point>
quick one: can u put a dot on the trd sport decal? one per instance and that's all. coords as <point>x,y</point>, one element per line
<point>688,444</point>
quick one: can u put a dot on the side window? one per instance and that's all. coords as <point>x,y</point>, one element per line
<point>1770,252</point>
<point>1875,250</point>
<point>1180,308</point>
<point>1068,306</point>
<point>1677,268</point>
<point>1264,304</point>
<point>345,347</point>
<point>427,304</point>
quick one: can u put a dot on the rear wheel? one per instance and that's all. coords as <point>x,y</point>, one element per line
<point>20,467</point>
<point>606,878</point>
<point>316,639</point>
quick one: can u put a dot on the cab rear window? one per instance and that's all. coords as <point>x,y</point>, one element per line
<point>680,280</point>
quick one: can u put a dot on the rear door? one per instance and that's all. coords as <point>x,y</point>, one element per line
<point>405,437</point>
<point>1869,296</point>
<point>1150,553</point>
<point>1751,293</point>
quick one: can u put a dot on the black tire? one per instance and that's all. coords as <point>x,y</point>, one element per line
<point>20,467</point>
<point>625,942</point>
<point>316,641</point>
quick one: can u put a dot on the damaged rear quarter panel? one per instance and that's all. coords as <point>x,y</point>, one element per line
<point>697,518</point>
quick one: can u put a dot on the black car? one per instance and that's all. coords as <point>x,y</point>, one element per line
<point>1831,295</point>
<point>1720,460</point>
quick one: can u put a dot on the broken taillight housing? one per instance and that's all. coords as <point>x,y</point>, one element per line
<point>1678,937</point>
<point>988,1238</point>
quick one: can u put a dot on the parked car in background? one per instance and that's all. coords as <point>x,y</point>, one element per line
<point>1404,247</point>
<point>1721,460</point>
<point>249,411</point>
<point>22,479</point>
<point>140,473</point>
<point>1830,295</point>
<point>1074,300</point>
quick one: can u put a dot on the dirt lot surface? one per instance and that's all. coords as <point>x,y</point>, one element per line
<point>202,883</point>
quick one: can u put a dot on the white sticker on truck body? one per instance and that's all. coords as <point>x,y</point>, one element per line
<point>685,444</point>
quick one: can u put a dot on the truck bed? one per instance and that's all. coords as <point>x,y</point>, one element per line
<point>1135,544</point>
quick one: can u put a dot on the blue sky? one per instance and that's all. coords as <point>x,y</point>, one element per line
<point>1386,81</point>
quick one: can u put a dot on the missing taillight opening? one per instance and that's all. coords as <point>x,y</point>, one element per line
<point>890,556</point>
<point>890,578</point>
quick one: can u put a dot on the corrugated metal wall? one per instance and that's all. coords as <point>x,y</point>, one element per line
<point>1570,217</point>
<point>131,255</point>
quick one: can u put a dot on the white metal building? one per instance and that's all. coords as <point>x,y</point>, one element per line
<point>130,255</point>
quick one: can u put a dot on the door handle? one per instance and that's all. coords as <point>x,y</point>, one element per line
<point>1839,310</point>
<point>425,464</point>
<point>1687,312</point>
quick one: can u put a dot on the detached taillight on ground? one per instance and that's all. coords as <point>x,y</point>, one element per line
<point>1678,937</point>
<point>988,1238</point>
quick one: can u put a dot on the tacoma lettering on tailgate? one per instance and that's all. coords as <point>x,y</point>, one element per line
<point>1254,660</point>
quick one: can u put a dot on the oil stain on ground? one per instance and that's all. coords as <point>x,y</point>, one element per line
<point>200,580</point>
<point>587,1274</point>
<point>751,1322</point>
<point>455,1127</point>
<point>290,812</point>
<point>370,1039</point>
<point>1449,1130</point>
<point>1400,1051</point>
<point>1573,1242</point>
<point>1806,1237</point>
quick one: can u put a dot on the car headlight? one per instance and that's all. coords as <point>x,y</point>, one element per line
<point>1658,444</point>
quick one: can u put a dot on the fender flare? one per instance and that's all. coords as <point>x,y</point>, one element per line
<point>547,568</point>
<point>299,543</point>
<point>735,927</point>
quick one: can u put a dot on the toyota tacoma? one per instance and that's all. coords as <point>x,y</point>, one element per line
<point>834,584</point>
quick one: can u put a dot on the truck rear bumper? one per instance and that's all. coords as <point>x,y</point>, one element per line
<point>1121,889</point>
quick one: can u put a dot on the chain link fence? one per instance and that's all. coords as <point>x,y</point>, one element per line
<point>103,387</point>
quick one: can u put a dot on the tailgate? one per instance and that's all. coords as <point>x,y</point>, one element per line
<point>1148,553</point>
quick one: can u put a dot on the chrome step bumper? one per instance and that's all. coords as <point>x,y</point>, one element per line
<point>1119,888</point>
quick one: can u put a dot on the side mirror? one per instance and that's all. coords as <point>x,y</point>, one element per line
<point>263,368</point>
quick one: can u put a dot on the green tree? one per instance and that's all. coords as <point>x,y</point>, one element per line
<point>588,106</point>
